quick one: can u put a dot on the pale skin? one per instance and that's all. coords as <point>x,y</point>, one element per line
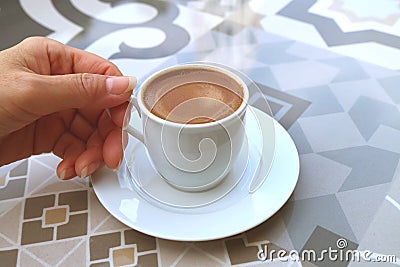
<point>59,99</point>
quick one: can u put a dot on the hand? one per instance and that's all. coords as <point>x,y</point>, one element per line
<point>55,98</point>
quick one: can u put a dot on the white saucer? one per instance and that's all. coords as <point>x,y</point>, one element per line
<point>144,178</point>
<point>247,201</point>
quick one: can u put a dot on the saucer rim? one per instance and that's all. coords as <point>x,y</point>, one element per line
<point>151,229</point>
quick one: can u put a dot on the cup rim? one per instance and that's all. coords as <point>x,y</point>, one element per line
<point>224,120</point>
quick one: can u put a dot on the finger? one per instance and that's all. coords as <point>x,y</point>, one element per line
<point>118,114</point>
<point>50,57</point>
<point>68,147</point>
<point>48,94</point>
<point>112,149</point>
<point>105,125</point>
<point>91,159</point>
<point>81,128</point>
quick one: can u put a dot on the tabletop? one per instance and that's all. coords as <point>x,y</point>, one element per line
<point>329,71</point>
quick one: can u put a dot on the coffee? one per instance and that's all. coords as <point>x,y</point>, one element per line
<point>197,102</point>
<point>193,97</point>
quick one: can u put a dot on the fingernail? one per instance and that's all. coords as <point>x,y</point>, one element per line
<point>118,85</point>
<point>62,175</point>
<point>119,164</point>
<point>108,112</point>
<point>84,172</point>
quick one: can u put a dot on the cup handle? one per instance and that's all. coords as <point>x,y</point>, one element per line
<point>131,130</point>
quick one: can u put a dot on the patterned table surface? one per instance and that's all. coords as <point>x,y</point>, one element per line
<point>328,71</point>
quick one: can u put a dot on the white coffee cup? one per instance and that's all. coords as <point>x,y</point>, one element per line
<point>191,157</point>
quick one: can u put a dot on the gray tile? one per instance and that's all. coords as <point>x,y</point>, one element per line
<point>144,242</point>
<point>370,166</point>
<point>354,203</point>
<point>239,253</point>
<point>76,226</point>
<point>301,74</point>
<point>77,200</point>
<point>20,170</point>
<point>348,93</point>
<point>330,31</point>
<point>9,257</point>
<point>263,75</point>
<point>176,36</point>
<point>17,25</point>
<point>322,99</point>
<point>32,232</point>
<point>100,245</point>
<point>324,211</point>
<point>302,144</point>
<point>392,87</point>
<point>322,239</point>
<point>319,176</point>
<point>274,53</point>
<point>34,206</point>
<point>14,189</point>
<point>349,69</point>
<point>296,105</point>
<point>382,235</point>
<point>229,27</point>
<point>368,114</point>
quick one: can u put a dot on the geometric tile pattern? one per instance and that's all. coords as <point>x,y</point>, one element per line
<point>342,113</point>
<point>366,32</point>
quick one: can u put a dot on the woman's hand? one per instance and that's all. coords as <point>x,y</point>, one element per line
<point>55,98</point>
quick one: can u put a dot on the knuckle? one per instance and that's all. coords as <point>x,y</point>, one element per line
<point>88,83</point>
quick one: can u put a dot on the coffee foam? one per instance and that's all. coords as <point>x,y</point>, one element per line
<point>193,96</point>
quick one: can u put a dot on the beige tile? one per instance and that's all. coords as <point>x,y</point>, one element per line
<point>4,243</point>
<point>196,258</point>
<point>38,174</point>
<point>77,257</point>
<point>55,186</point>
<point>111,225</point>
<point>3,180</point>
<point>76,226</point>
<point>98,214</point>
<point>170,250</point>
<point>6,206</point>
<point>144,242</point>
<point>123,256</point>
<point>215,248</point>
<point>101,244</point>
<point>34,206</point>
<point>52,253</point>
<point>9,223</point>
<point>55,216</point>
<point>26,260</point>
<point>273,230</point>
<point>77,200</point>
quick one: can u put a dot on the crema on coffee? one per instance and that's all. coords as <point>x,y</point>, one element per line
<point>206,96</point>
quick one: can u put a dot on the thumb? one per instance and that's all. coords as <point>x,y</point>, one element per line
<point>59,92</point>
